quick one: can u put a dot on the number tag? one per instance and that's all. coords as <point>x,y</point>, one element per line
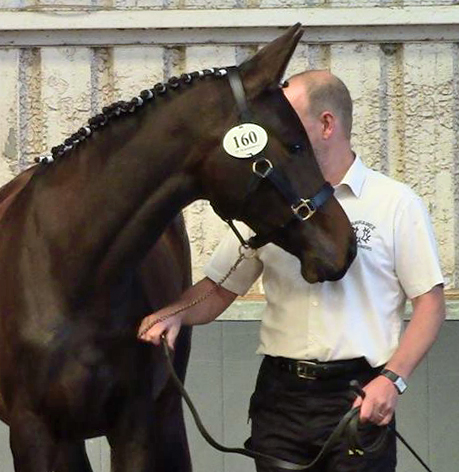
<point>245,140</point>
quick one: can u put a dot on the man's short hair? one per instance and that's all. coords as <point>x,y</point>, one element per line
<point>330,94</point>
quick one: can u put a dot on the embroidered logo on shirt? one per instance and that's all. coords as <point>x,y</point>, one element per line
<point>363,232</point>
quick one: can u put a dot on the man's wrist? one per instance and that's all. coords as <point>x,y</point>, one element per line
<point>398,381</point>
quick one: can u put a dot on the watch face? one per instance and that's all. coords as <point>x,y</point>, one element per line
<point>400,384</point>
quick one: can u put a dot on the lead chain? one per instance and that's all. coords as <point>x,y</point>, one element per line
<point>242,256</point>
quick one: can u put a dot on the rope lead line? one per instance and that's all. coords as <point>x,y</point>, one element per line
<point>247,452</point>
<point>347,428</point>
<point>242,256</point>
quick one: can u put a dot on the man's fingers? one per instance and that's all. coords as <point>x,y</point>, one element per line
<point>151,332</point>
<point>377,417</point>
<point>365,413</point>
<point>144,330</point>
<point>376,414</point>
<point>152,335</point>
<point>370,412</point>
<point>172,334</point>
<point>384,419</point>
<point>357,402</point>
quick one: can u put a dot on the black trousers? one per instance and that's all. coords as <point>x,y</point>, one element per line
<point>292,418</point>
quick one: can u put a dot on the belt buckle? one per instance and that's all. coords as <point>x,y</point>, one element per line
<point>303,370</point>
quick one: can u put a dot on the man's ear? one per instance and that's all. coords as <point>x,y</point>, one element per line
<point>265,70</point>
<point>328,122</point>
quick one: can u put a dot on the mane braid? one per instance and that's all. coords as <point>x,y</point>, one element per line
<point>121,108</point>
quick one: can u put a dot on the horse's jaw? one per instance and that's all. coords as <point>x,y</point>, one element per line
<point>315,270</point>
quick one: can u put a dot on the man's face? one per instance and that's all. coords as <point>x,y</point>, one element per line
<point>297,94</point>
<point>314,128</point>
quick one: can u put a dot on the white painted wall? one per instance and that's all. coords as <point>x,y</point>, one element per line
<point>59,65</point>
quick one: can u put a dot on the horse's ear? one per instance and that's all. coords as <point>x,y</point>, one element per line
<point>266,69</point>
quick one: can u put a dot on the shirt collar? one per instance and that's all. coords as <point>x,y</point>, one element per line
<point>355,177</point>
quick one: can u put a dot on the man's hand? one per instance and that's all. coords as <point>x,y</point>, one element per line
<point>214,301</point>
<point>422,330</point>
<point>170,326</point>
<point>380,401</point>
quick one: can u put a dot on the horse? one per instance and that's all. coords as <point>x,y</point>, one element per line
<point>91,240</point>
<point>162,275</point>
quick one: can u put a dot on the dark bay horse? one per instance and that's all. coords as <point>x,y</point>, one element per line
<point>161,277</point>
<point>78,271</point>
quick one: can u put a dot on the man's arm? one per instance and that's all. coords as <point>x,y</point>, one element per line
<point>421,332</point>
<point>203,312</point>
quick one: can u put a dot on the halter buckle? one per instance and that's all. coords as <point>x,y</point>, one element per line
<point>304,210</point>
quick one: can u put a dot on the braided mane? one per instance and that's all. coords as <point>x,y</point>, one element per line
<point>120,108</point>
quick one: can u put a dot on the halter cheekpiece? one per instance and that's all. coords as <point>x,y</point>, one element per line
<point>263,168</point>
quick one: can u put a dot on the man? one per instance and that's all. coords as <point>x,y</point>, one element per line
<point>316,338</point>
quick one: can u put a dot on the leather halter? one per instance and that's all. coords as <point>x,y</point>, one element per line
<point>262,168</point>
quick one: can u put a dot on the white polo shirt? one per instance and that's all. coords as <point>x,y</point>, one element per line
<point>361,314</point>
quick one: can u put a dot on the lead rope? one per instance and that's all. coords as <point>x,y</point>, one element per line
<point>351,416</point>
<point>243,254</point>
<point>354,433</point>
<point>347,428</point>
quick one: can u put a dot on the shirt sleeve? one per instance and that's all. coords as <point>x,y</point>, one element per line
<point>226,255</point>
<point>416,257</point>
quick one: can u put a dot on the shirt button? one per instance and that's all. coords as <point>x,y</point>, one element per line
<point>315,303</point>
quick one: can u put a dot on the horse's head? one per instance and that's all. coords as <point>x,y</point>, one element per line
<point>267,176</point>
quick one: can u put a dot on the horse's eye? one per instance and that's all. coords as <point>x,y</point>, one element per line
<point>296,148</point>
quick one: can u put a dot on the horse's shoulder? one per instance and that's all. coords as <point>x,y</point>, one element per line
<point>165,270</point>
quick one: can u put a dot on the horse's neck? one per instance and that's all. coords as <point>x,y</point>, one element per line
<point>102,210</point>
<point>9,191</point>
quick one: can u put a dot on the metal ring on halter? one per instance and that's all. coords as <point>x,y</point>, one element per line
<point>247,252</point>
<point>304,210</point>
<point>262,173</point>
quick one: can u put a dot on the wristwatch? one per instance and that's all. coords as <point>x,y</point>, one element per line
<point>398,381</point>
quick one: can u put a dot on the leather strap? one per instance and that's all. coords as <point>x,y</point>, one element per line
<point>321,370</point>
<point>239,94</point>
<point>352,416</point>
<point>263,169</point>
<point>347,428</point>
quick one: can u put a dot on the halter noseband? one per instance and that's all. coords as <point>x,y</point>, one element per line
<point>262,168</point>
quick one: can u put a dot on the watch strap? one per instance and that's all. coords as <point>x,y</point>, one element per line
<point>397,380</point>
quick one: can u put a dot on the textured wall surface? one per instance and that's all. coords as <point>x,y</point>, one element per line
<point>406,103</point>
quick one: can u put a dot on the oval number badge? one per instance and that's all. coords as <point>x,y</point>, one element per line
<point>245,140</point>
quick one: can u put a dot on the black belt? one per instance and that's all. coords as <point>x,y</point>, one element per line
<point>314,370</point>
